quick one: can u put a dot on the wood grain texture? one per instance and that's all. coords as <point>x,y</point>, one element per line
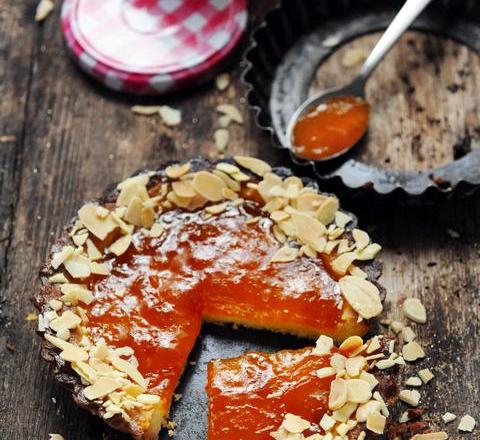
<point>67,138</point>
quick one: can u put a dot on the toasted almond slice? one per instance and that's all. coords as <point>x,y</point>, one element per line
<point>67,320</point>
<point>156,230</point>
<point>176,171</point>
<point>426,375</point>
<point>309,201</point>
<point>221,137</point>
<point>343,414</point>
<point>385,364</point>
<point>58,278</point>
<point>355,365</point>
<point>467,424</point>
<point>182,202</point>
<point>92,251</point>
<point>73,293</point>
<point>269,181</point>
<point>146,110</point>
<point>60,257</point>
<point>256,166</point>
<point>284,255</point>
<point>369,253</point>
<point>55,304</point>
<point>231,111</point>
<point>222,81</point>
<point>74,354</point>
<point>101,388</point>
<point>358,391</point>
<point>373,345</point>
<point>80,238</point>
<point>44,8</point>
<point>229,194</point>
<point>295,424</point>
<point>408,334</point>
<point>370,378</point>
<point>362,295</point>
<point>361,239</point>
<point>411,397</point>
<point>217,209</point>
<point>323,345</point>
<point>121,245</point>
<point>99,268</point>
<point>147,217</point>
<point>209,186</point>
<point>128,368</point>
<point>341,263</point>
<point>342,219</point>
<point>448,417</point>
<point>309,230</point>
<point>412,351</point>
<point>350,345</point>
<point>100,227</point>
<point>133,214</point>
<point>415,310</point>
<point>327,422</point>
<point>135,186</point>
<point>77,266</point>
<point>231,183</point>
<point>325,372</point>
<point>326,211</point>
<point>184,188</point>
<point>372,406</point>
<point>170,116</point>
<point>149,399</point>
<point>338,394</point>
<point>376,422</point>
<point>337,361</point>
<point>413,381</point>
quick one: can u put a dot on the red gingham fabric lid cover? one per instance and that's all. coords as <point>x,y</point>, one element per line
<point>151,46</point>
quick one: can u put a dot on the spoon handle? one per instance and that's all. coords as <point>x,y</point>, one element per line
<point>404,18</point>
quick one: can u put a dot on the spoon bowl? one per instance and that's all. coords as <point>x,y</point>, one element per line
<point>402,21</point>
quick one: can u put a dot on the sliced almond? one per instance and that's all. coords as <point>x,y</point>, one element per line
<point>369,253</point>
<point>441,435</point>
<point>309,230</point>
<point>415,310</point>
<point>326,211</point>
<point>101,388</point>
<point>100,227</point>
<point>467,424</point>
<point>295,424</point>
<point>176,171</point>
<point>269,181</point>
<point>355,365</point>
<point>60,257</point>
<point>448,417</point>
<point>350,345</point>
<point>128,368</point>
<point>376,423</point>
<point>325,372</point>
<point>67,320</point>
<point>256,166</point>
<point>149,399</point>
<point>182,202</point>
<point>133,214</point>
<point>327,422</point>
<point>426,375</point>
<point>358,391</point>
<point>342,219</point>
<point>148,217</point>
<point>73,293</point>
<point>231,111</point>
<point>184,188</point>
<point>362,295</point>
<point>338,394</point>
<point>284,255</point>
<point>361,239</point>
<point>146,110</point>
<point>209,186</point>
<point>412,351</point>
<point>58,278</point>
<point>135,186</point>
<point>170,116</point>
<point>216,209</point>
<point>99,268</point>
<point>341,263</point>
<point>221,137</point>
<point>121,245</point>
<point>323,346</point>
<point>370,378</point>
<point>411,397</point>
<point>92,251</point>
<point>77,266</point>
<point>231,183</point>
<point>413,381</point>
<point>343,414</point>
<point>364,410</point>
<point>156,230</point>
<point>44,8</point>
<point>222,81</point>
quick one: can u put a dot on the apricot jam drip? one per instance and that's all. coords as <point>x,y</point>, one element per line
<point>331,128</point>
<point>249,395</point>
<point>215,269</point>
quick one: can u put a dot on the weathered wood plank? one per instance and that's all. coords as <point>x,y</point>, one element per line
<point>79,138</point>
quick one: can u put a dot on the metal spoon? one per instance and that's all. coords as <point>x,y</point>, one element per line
<point>404,18</point>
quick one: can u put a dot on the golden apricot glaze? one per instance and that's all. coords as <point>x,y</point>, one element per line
<point>331,128</point>
<point>217,269</point>
<point>250,395</point>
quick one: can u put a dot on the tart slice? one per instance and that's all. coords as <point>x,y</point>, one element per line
<point>316,393</point>
<point>126,289</point>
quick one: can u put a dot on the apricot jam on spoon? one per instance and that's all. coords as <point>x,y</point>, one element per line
<point>331,122</point>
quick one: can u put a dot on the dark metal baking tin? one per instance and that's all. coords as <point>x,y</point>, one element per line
<point>281,61</point>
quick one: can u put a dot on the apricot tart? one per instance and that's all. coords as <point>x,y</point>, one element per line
<point>316,393</point>
<point>126,289</point>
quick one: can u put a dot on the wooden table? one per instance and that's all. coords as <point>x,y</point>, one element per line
<point>63,138</point>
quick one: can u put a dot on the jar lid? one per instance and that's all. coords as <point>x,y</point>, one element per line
<point>152,46</point>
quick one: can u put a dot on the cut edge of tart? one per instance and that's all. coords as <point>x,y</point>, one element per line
<point>308,235</point>
<point>315,393</point>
